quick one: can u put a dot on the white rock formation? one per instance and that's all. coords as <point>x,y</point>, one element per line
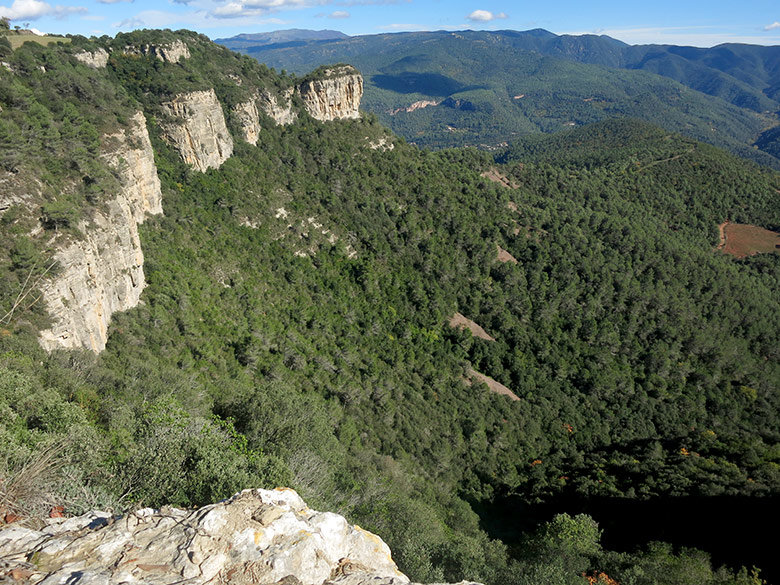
<point>249,117</point>
<point>255,537</point>
<point>200,134</point>
<point>279,109</point>
<point>335,95</point>
<point>169,53</point>
<point>96,59</point>
<point>103,273</point>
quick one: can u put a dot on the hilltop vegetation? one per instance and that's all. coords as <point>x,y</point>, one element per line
<point>645,361</point>
<point>494,86</point>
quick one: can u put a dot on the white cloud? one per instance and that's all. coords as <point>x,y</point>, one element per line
<point>484,16</point>
<point>113,1</point>
<point>772,26</point>
<point>130,23</point>
<point>339,14</point>
<point>244,8</point>
<point>34,9</point>
<point>370,2</point>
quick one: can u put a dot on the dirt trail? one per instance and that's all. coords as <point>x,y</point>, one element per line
<point>722,234</point>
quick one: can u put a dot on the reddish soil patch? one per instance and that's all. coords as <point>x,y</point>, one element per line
<point>504,256</point>
<point>492,384</point>
<point>741,240</point>
<point>501,179</point>
<point>462,322</point>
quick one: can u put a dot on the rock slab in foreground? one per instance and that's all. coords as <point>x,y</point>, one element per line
<point>256,537</point>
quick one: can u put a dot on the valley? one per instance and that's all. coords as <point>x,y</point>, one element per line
<point>235,278</point>
<point>483,88</point>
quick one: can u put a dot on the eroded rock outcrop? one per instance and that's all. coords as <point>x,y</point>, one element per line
<point>199,132</point>
<point>96,59</point>
<point>249,118</point>
<point>335,94</point>
<point>168,53</point>
<point>278,108</point>
<point>255,537</point>
<point>103,272</point>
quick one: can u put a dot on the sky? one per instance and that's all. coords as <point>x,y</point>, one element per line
<point>679,22</point>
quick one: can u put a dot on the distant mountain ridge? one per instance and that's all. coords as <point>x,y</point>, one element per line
<point>293,36</point>
<point>485,72</point>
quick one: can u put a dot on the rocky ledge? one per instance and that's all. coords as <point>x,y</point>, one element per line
<point>256,537</point>
<point>335,94</point>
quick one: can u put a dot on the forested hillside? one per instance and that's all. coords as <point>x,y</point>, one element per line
<point>486,87</point>
<point>266,352</point>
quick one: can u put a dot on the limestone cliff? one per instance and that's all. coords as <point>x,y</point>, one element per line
<point>255,537</point>
<point>168,53</point>
<point>280,108</point>
<point>334,94</point>
<point>249,118</point>
<point>96,59</point>
<point>103,272</point>
<point>199,131</point>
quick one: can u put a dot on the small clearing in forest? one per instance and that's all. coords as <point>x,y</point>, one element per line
<point>494,175</point>
<point>741,240</point>
<point>493,385</point>
<point>463,322</point>
<point>504,256</point>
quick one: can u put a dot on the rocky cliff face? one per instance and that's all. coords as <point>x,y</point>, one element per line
<point>103,273</point>
<point>335,95</point>
<point>256,537</point>
<point>199,134</point>
<point>95,59</point>
<point>168,53</point>
<point>249,118</point>
<point>279,109</point>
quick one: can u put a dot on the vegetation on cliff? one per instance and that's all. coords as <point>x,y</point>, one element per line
<point>645,360</point>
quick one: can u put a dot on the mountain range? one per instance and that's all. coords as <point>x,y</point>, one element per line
<point>555,360</point>
<point>479,87</point>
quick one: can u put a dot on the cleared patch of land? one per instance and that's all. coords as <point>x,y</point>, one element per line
<point>463,322</point>
<point>493,385</point>
<point>18,38</point>
<point>741,240</point>
<point>504,256</point>
<point>501,179</point>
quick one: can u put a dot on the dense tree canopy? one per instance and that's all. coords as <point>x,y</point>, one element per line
<point>266,353</point>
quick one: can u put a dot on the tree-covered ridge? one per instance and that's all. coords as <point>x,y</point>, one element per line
<point>643,358</point>
<point>495,86</point>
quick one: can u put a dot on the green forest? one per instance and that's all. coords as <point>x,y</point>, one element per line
<point>490,87</point>
<point>645,361</point>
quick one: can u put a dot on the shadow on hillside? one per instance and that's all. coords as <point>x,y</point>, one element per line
<point>432,84</point>
<point>732,529</point>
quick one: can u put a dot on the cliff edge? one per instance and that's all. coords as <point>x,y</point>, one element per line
<point>255,537</point>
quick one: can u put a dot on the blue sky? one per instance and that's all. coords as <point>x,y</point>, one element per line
<point>687,22</point>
